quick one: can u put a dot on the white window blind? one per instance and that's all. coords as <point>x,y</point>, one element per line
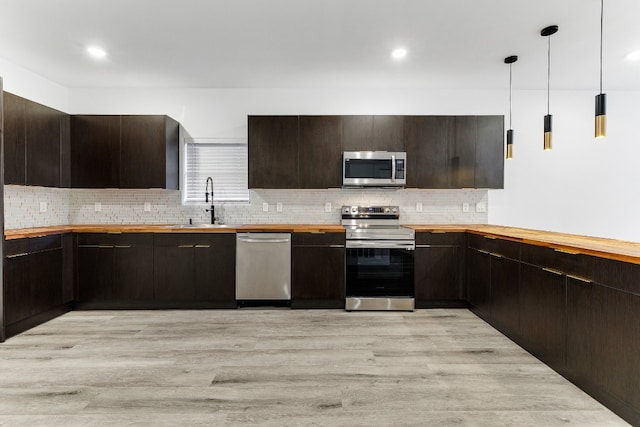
<point>225,160</point>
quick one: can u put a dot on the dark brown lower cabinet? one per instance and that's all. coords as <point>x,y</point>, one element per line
<point>543,314</point>
<point>318,263</point>
<point>505,294</point>
<point>114,268</point>
<point>603,344</point>
<point>195,270</point>
<point>438,276</point>
<point>33,289</point>
<point>479,282</point>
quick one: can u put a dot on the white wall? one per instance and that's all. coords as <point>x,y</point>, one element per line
<point>24,83</point>
<point>582,186</point>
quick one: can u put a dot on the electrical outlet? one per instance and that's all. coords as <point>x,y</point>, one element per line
<point>465,207</point>
<point>481,207</point>
<point>278,207</point>
<point>419,207</point>
<point>327,207</point>
<point>43,207</point>
<point>265,207</point>
<point>147,207</point>
<point>97,207</point>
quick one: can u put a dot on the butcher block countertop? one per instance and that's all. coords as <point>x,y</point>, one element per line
<point>606,248</point>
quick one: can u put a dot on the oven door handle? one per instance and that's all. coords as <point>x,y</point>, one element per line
<point>377,244</point>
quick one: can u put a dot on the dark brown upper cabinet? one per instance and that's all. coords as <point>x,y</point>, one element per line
<point>320,152</point>
<point>36,141</point>
<point>442,151</point>
<point>373,133</point>
<point>427,144</point>
<point>111,151</point>
<point>273,152</point>
<point>489,170</point>
<point>149,151</point>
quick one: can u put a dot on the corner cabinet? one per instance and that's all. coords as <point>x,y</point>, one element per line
<point>124,152</point>
<point>442,151</point>
<point>36,143</point>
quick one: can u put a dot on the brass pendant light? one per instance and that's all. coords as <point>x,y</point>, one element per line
<point>548,32</point>
<point>601,99</point>
<point>510,60</point>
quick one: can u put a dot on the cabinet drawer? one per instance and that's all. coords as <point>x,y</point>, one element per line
<point>45,243</point>
<point>186,239</point>
<point>115,239</point>
<point>17,247</point>
<point>496,246</point>
<point>318,239</point>
<point>561,260</point>
<point>440,239</point>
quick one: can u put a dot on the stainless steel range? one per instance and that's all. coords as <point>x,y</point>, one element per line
<point>380,259</point>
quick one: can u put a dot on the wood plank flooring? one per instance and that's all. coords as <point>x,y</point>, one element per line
<point>281,367</point>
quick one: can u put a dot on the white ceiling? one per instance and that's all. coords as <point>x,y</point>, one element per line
<point>322,43</point>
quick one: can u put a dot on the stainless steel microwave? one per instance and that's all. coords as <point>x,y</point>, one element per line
<point>374,169</point>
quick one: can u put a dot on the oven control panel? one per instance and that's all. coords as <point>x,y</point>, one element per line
<point>370,211</point>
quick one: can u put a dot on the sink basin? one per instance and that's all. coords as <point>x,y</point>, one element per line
<point>204,226</point>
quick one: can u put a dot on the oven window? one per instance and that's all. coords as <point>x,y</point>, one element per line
<point>368,168</point>
<point>375,272</point>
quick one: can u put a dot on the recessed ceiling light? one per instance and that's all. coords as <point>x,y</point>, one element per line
<point>96,52</point>
<point>634,56</point>
<point>399,53</point>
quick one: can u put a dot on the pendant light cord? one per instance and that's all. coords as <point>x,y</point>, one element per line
<point>510,92</point>
<point>548,71</point>
<point>601,25</point>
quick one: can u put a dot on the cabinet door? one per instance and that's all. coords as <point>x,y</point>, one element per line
<point>95,272</point>
<point>543,314</point>
<point>318,277</point>
<point>17,295</point>
<point>142,152</point>
<point>134,267</point>
<point>174,269</point>
<point>43,145</point>
<point>426,140</point>
<point>45,280</point>
<point>357,133</point>
<point>273,152</point>
<point>320,151</point>
<point>505,294</point>
<point>603,326</point>
<point>462,152</point>
<point>388,133</point>
<point>95,151</point>
<point>215,270</point>
<point>489,167</point>
<point>479,282</point>
<point>14,139</point>
<point>437,275</point>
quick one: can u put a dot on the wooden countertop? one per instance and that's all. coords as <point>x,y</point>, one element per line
<point>606,248</point>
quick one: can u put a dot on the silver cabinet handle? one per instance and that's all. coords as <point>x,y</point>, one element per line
<point>580,279</point>
<point>185,246</point>
<point>202,246</point>
<point>556,272</point>
<point>123,246</point>
<point>17,255</point>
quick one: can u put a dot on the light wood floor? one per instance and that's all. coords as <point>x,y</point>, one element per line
<point>281,367</point>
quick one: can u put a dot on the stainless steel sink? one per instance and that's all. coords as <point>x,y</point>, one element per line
<point>204,226</point>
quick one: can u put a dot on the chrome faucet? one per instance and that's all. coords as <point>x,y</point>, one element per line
<point>206,199</point>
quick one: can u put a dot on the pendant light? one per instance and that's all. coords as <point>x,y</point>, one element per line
<point>548,32</point>
<point>510,60</point>
<point>601,99</point>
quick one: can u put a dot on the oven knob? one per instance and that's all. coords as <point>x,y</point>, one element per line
<point>354,209</point>
<point>345,210</point>
<point>394,210</point>
<point>387,210</point>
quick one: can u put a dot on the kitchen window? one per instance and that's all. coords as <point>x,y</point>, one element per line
<point>223,159</point>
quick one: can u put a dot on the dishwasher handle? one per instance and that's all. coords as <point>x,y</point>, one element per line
<point>258,239</point>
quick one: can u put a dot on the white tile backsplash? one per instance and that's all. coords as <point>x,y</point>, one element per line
<point>77,206</point>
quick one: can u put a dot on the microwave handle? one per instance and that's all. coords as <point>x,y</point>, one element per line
<point>393,168</point>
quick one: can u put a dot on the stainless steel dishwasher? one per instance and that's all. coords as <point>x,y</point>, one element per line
<point>263,269</point>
